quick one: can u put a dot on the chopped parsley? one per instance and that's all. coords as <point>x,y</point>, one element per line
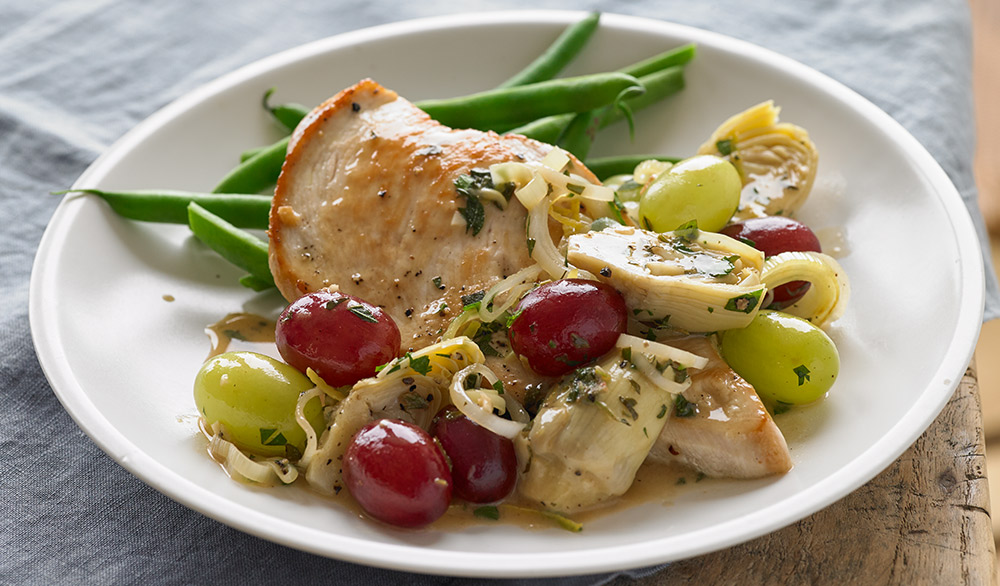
<point>683,407</point>
<point>335,302</point>
<point>618,209</point>
<point>744,303</point>
<point>802,372</point>
<point>472,300</point>
<point>487,512</point>
<point>629,404</point>
<point>471,185</point>
<point>362,313</point>
<point>725,147</point>
<point>687,231</point>
<point>421,364</point>
<point>272,437</point>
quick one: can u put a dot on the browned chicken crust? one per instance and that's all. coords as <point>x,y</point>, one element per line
<point>366,201</point>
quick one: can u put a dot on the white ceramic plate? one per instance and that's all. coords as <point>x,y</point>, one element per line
<point>122,359</point>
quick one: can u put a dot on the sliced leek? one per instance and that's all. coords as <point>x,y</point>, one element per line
<point>829,288</point>
<point>661,352</point>
<point>777,161</point>
<point>240,466</point>
<point>695,281</point>
<point>479,404</point>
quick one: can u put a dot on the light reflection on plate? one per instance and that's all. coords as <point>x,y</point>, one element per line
<point>121,358</point>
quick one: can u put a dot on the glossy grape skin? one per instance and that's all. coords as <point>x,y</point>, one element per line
<point>397,474</point>
<point>341,337</point>
<point>567,323</point>
<point>773,235</point>
<point>483,464</point>
<point>704,188</point>
<point>254,397</point>
<point>785,358</point>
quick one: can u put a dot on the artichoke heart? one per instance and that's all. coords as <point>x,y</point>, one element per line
<point>412,388</point>
<point>777,161</point>
<point>567,470</point>
<point>688,279</point>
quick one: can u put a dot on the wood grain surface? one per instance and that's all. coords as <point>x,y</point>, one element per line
<point>924,520</point>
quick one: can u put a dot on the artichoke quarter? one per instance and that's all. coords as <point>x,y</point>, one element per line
<point>777,161</point>
<point>597,426</point>
<point>688,279</point>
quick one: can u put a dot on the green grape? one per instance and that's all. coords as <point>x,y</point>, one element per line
<point>254,397</point>
<point>786,358</point>
<point>704,188</point>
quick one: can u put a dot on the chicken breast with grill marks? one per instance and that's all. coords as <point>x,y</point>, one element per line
<point>366,201</point>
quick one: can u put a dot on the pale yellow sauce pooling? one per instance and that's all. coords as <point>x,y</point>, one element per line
<point>239,328</point>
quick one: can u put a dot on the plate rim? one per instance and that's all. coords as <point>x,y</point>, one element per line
<point>85,414</point>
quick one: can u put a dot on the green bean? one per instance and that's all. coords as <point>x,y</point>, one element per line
<point>581,131</point>
<point>243,210</point>
<point>289,115</point>
<point>231,243</point>
<point>249,153</point>
<point>604,167</point>
<point>550,128</point>
<point>563,50</point>
<point>547,129</point>
<point>256,173</point>
<point>256,283</point>
<point>486,110</point>
<point>679,56</point>
<point>659,85</point>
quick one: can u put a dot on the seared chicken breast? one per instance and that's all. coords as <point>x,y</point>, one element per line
<point>367,201</point>
<point>729,434</point>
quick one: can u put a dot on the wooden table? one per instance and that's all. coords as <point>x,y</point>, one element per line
<point>924,520</point>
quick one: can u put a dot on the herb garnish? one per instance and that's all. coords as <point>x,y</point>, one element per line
<point>334,302</point>
<point>470,186</point>
<point>745,303</point>
<point>487,512</point>
<point>725,147</point>
<point>629,404</point>
<point>472,300</point>
<point>618,209</point>
<point>687,231</point>
<point>802,372</point>
<point>683,407</point>
<point>421,364</point>
<point>362,312</point>
<point>272,437</point>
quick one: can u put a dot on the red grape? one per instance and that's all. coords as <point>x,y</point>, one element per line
<point>397,473</point>
<point>567,323</point>
<point>483,464</point>
<point>773,235</point>
<point>341,337</point>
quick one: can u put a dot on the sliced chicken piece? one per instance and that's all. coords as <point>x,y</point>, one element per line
<point>367,201</point>
<point>731,434</point>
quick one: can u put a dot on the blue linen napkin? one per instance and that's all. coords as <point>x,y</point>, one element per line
<point>75,75</point>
